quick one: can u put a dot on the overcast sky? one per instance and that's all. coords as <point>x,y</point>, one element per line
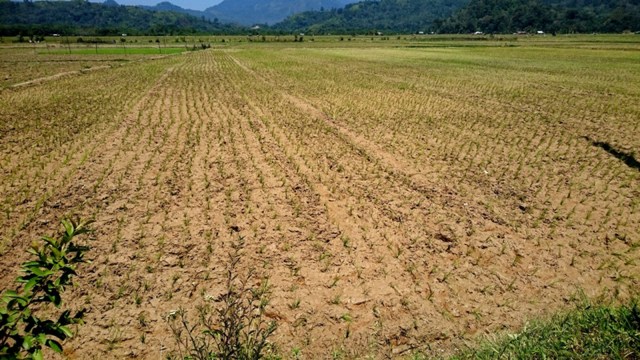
<point>187,4</point>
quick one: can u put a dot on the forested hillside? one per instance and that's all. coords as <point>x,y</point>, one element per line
<point>167,6</point>
<point>367,16</point>
<point>85,18</point>
<point>566,16</point>
<point>461,16</point>
<point>249,12</point>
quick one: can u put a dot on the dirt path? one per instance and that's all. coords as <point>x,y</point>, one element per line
<point>58,76</point>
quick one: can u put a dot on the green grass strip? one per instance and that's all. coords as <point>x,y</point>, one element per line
<point>588,332</point>
<point>116,51</point>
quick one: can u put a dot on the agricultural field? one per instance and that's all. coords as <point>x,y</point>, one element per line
<point>24,65</point>
<point>400,196</point>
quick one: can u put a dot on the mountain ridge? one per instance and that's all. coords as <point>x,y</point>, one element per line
<point>250,12</point>
<point>169,6</point>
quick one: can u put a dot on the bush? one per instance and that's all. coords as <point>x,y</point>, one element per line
<point>235,329</point>
<point>23,333</point>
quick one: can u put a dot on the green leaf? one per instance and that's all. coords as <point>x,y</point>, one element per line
<point>23,301</point>
<point>40,272</point>
<point>50,240</point>
<point>30,284</point>
<point>37,355</point>
<point>65,330</point>
<point>30,264</point>
<point>54,345</point>
<point>27,342</point>
<point>57,253</point>
<point>68,226</point>
<point>9,295</point>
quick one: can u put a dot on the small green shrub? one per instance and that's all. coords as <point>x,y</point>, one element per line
<point>235,328</point>
<point>23,333</point>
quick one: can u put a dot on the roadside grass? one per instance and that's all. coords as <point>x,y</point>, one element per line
<point>590,331</point>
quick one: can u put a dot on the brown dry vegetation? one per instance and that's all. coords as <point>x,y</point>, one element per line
<point>23,64</point>
<point>396,198</point>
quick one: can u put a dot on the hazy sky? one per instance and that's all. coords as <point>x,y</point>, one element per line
<point>187,4</point>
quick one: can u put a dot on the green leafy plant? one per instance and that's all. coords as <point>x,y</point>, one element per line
<point>23,333</point>
<point>230,326</point>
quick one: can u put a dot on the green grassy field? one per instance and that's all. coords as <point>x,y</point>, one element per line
<point>565,40</point>
<point>402,195</point>
<point>114,51</point>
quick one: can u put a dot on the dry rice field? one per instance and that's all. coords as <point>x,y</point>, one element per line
<point>398,198</point>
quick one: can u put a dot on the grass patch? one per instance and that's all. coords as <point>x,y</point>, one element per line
<point>587,332</point>
<point>116,51</point>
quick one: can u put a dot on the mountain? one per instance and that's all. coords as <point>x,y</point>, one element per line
<point>80,17</point>
<point>385,15</point>
<point>566,16</point>
<point>199,5</point>
<point>167,6</point>
<point>249,12</point>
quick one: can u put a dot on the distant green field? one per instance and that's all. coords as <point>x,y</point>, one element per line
<point>144,45</point>
<point>115,51</point>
